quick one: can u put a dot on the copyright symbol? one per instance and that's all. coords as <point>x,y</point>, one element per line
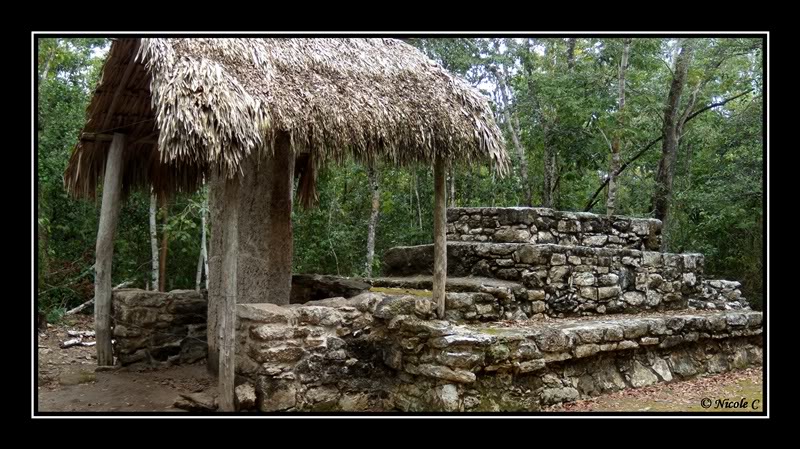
<point>705,402</point>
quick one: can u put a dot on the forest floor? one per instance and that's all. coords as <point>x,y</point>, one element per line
<point>67,382</point>
<point>736,391</point>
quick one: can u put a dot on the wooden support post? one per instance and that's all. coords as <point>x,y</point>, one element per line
<point>227,310</point>
<point>109,217</point>
<point>439,235</point>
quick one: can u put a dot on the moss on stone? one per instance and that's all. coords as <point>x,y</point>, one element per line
<point>402,291</point>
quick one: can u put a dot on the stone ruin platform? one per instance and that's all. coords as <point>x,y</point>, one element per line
<point>384,352</point>
<point>542,307</point>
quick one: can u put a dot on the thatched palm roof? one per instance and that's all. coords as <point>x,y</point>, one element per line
<point>190,105</point>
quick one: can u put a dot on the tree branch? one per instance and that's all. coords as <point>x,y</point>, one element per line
<point>592,200</point>
<point>714,105</point>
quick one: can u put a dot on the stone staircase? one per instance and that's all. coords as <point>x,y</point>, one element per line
<point>568,264</point>
<point>570,304</point>
<point>542,307</point>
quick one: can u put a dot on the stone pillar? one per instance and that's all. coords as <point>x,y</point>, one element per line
<point>265,243</point>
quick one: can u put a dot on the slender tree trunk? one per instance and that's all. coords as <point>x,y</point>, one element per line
<point>611,203</point>
<point>373,219</point>
<point>669,147</point>
<point>570,53</point>
<point>549,166</point>
<point>162,263</point>
<point>202,261</point>
<point>411,199</point>
<point>109,217</point>
<point>41,235</point>
<point>416,193</point>
<point>204,237</point>
<point>154,241</point>
<point>594,198</point>
<point>199,272</point>
<point>514,131</point>
<point>452,201</point>
<point>46,66</point>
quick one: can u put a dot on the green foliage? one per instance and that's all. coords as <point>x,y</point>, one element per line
<point>68,228</point>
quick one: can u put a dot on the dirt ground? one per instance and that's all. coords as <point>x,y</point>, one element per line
<point>737,391</point>
<point>67,382</point>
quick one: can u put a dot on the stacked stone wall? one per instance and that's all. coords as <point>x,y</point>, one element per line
<point>155,328</point>
<point>539,225</point>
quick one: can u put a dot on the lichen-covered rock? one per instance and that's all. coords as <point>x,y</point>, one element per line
<point>245,396</point>
<point>560,394</point>
<point>641,376</point>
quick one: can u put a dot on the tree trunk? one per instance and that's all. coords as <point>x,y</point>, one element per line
<point>570,53</point>
<point>162,263</point>
<point>373,219</point>
<point>202,262</point>
<point>669,147</point>
<point>41,236</point>
<point>46,66</point>
<point>416,193</point>
<point>593,199</point>
<point>514,131</point>
<point>439,236</point>
<point>199,273</point>
<point>451,202</point>
<point>549,166</point>
<point>154,241</point>
<point>204,236</point>
<point>611,203</point>
<point>109,217</point>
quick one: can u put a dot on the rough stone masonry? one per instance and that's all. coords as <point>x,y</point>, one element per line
<point>540,225</point>
<point>542,307</point>
<point>158,329</point>
<point>385,352</point>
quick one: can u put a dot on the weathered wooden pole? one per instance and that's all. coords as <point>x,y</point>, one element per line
<point>109,217</point>
<point>227,310</point>
<point>439,235</point>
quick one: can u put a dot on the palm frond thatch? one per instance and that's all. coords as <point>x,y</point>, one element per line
<point>198,104</point>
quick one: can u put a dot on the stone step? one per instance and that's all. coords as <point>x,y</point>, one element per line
<point>570,280</point>
<point>720,294</point>
<point>384,352</point>
<point>503,259</point>
<point>453,284</point>
<point>564,339</point>
<point>468,299</point>
<point>541,225</point>
<point>573,359</point>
